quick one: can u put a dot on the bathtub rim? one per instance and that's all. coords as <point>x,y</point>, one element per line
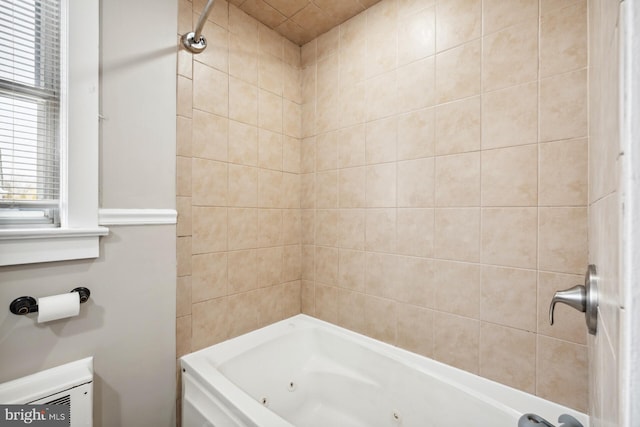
<point>204,363</point>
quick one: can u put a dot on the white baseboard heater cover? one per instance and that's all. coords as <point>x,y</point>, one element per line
<point>72,383</point>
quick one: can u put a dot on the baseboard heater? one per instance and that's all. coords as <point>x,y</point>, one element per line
<point>70,384</point>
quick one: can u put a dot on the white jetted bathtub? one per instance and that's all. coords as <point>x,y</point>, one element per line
<point>308,373</point>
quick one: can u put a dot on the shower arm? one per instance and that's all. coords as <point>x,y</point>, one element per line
<point>194,41</point>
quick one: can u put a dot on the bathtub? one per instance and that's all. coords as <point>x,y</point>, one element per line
<point>308,373</point>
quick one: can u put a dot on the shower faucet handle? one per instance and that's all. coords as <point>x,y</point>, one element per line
<point>583,298</point>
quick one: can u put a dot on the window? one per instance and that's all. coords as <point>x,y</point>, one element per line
<point>49,54</point>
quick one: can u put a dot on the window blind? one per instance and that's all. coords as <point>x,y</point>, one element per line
<point>29,112</point>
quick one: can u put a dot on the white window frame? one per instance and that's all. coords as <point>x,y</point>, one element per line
<point>79,233</point>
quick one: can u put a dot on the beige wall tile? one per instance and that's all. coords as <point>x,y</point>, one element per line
<point>416,180</point>
<point>458,127</point>
<point>509,237</point>
<point>292,84</point>
<point>183,176</point>
<point>508,297</point>
<point>183,205</point>
<point>563,39</point>
<point>381,272</point>
<point>242,271</point>
<point>327,151</point>
<point>382,49</point>
<point>352,108</point>
<point>328,42</point>
<point>562,372</point>
<point>327,265</point>
<point>415,281</point>
<point>351,146</point>
<point>326,300</point>
<point>243,229</point>
<point>269,150</point>
<point>209,182</point>
<point>415,232</point>
<point>291,256</point>
<point>291,154</point>
<point>508,356</point>
<point>308,190</point>
<point>416,85</point>
<point>327,189</point>
<point>457,234</point>
<point>269,111</point>
<point>209,323</point>
<point>381,185</point>
<point>269,262</point>
<point>269,189</point>
<point>209,229</point>
<point>183,136</point>
<point>209,279</point>
<point>270,42</point>
<point>184,100</point>
<point>457,22</point>
<point>328,73</point>
<point>458,72</point>
<point>291,226</point>
<point>243,313</point>
<point>210,90</point>
<point>292,118</point>
<point>381,98</point>
<point>563,240</point>
<point>243,58</point>
<point>217,53</point>
<point>269,227</point>
<point>415,329</point>
<point>271,74</point>
<point>352,229</point>
<point>458,180</point>
<point>183,335</point>
<point>290,191</point>
<point>210,134</point>
<point>416,35</point>
<point>183,256</point>
<point>243,143</point>
<point>510,116</point>
<point>380,319</point>
<point>380,232</point>
<point>351,270</point>
<point>568,323</point>
<point>563,106</point>
<point>509,57</point>
<point>456,341</point>
<point>381,140</point>
<point>243,186</point>
<point>327,227</point>
<point>416,134</point>
<point>457,288</point>
<point>243,102</point>
<point>327,115</point>
<point>510,176</point>
<point>308,262</point>
<point>563,173</point>
<point>498,14</point>
<point>351,310</point>
<point>183,296</point>
<point>351,183</point>
<point>308,53</point>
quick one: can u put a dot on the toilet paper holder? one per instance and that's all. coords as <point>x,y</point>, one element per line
<point>26,305</point>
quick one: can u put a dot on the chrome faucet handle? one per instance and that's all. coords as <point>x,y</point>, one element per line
<point>583,298</point>
<point>574,297</point>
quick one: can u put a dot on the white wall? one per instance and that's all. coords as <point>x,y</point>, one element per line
<point>129,323</point>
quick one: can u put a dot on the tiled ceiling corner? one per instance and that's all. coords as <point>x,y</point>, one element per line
<point>302,20</point>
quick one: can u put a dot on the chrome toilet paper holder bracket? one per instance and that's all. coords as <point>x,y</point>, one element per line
<point>25,305</point>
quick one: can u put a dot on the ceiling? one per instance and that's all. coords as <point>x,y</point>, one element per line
<point>302,20</point>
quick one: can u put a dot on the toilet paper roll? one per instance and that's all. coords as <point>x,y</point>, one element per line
<point>58,307</point>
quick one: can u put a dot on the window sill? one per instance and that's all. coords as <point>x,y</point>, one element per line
<point>27,246</point>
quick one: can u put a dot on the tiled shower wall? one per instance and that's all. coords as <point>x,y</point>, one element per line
<point>444,184</point>
<point>239,127</point>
